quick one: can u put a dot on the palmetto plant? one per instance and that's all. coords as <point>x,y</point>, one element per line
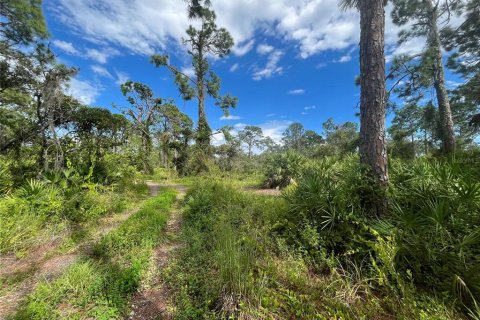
<point>435,218</point>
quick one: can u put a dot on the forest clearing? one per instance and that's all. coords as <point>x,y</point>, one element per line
<point>267,208</point>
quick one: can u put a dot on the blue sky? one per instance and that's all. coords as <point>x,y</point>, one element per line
<point>294,60</point>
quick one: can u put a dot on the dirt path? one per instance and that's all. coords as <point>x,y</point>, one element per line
<point>40,265</point>
<point>154,300</point>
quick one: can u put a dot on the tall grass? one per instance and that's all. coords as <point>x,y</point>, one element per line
<point>99,286</point>
<point>313,254</point>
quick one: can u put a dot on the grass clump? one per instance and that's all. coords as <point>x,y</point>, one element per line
<point>100,285</point>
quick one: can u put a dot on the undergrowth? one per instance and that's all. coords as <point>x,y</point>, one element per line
<point>99,285</point>
<point>309,255</point>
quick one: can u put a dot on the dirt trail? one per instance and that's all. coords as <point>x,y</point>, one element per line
<point>40,265</point>
<point>154,300</point>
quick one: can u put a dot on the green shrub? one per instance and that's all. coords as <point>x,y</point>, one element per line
<point>430,237</point>
<point>282,168</point>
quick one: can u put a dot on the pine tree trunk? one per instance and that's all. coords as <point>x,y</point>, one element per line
<point>373,152</point>
<point>446,121</point>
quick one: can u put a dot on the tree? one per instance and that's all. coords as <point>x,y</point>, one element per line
<point>21,21</point>
<point>50,108</point>
<point>373,151</point>
<point>144,112</point>
<point>423,16</point>
<point>464,42</point>
<point>230,150</point>
<point>252,136</point>
<point>174,134</point>
<point>293,136</point>
<point>340,138</point>
<point>269,145</point>
<point>405,124</point>
<point>206,41</point>
<point>311,139</point>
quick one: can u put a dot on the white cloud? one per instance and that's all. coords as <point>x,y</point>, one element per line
<point>122,77</point>
<point>244,48</point>
<point>303,113</point>
<point>316,25</point>
<point>234,67</point>
<point>270,115</point>
<point>296,92</point>
<point>271,67</point>
<point>310,108</point>
<point>84,91</point>
<point>148,26</point>
<point>218,139</point>
<point>264,49</point>
<point>274,129</point>
<point>189,71</point>
<point>230,117</point>
<point>65,46</point>
<point>321,65</point>
<point>452,84</point>
<point>101,56</point>
<point>101,71</point>
<point>345,58</point>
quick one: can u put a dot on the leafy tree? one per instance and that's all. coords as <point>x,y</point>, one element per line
<point>293,136</point>
<point>464,43</point>
<point>269,145</point>
<point>311,139</point>
<point>252,136</point>
<point>50,109</point>
<point>423,18</point>
<point>230,150</point>
<point>340,139</point>
<point>21,21</point>
<point>144,112</point>
<point>405,124</point>
<point>202,42</point>
<point>373,152</point>
<point>175,134</point>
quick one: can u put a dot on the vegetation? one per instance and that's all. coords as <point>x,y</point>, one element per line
<point>359,221</point>
<point>100,285</point>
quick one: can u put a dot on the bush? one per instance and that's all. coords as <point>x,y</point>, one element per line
<point>282,168</point>
<point>435,218</point>
<point>430,237</point>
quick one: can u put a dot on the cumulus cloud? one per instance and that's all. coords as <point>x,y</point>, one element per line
<point>264,49</point>
<point>345,58</point>
<point>316,25</point>
<point>312,26</point>
<point>230,117</point>
<point>296,92</point>
<point>189,71</point>
<point>218,139</point>
<point>243,48</point>
<point>65,46</point>
<point>84,91</point>
<point>271,68</point>
<point>275,128</point>
<point>310,108</point>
